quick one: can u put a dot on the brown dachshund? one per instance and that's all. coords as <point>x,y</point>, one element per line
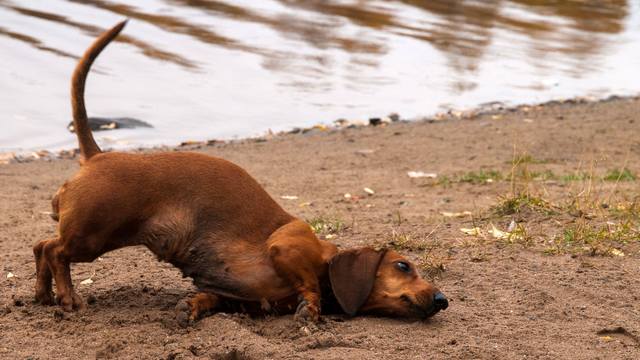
<point>212,220</point>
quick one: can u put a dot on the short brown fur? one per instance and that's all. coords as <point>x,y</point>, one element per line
<point>212,220</point>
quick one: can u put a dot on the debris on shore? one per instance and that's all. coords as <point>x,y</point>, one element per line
<point>493,109</point>
<point>100,124</point>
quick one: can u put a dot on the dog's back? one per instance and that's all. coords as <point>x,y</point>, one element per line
<point>123,194</point>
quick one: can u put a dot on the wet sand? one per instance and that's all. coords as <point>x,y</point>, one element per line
<point>509,298</point>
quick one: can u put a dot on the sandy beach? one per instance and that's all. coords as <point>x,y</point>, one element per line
<point>527,219</point>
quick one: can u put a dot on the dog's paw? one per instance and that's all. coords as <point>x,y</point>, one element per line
<point>184,314</point>
<point>70,302</point>
<point>44,298</point>
<point>307,313</point>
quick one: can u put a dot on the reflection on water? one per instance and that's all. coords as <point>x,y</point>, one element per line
<point>223,68</point>
<point>95,31</point>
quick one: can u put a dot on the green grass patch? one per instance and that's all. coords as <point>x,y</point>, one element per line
<point>626,211</point>
<point>543,175</point>
<point>585,237</point>
<point>326,225</point>
<point>523,202</point>
<point>480,177</point>
<point>577,176</point>
<point>444,180</point>
<point>623,174</point>
<point>432,265</point>
<point>399,240</point>
<point>527,159</point>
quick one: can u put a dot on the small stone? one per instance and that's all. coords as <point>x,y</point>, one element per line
<point>375,121</point>
<point>342,122</point>
<point>194,349</point>
<point>305,330</point>
<point>365,152</point>
<point>7,158</point>
<point>58,314</point>
<point>289,197</point>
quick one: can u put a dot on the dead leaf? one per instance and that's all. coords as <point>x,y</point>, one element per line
<point>616,252</point>
<point>421,174</point>
<point>475,231</point>
<point>455,214</point>
<point>503,235</point>
<point>497,233</point>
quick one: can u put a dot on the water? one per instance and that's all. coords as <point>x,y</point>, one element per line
<point>199,69</point>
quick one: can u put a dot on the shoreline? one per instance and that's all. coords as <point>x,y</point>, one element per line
<point>495,108</point>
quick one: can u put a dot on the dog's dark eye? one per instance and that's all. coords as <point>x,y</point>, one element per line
<point>403,266</point>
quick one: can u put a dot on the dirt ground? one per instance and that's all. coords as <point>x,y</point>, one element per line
<point>545,293</point>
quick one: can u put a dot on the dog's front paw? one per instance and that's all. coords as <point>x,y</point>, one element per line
<point>70,302</point>
<point>190,310</point>
<point>307,312</point>
<point>44,298</point>
<point>184,314</point>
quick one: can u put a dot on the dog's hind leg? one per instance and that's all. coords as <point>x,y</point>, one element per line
<point>59,264</point>
<point>44,295</point>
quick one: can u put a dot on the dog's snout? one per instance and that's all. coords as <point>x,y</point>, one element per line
<point>440,301</point>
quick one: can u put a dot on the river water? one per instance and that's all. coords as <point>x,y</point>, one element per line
<point>198,69</point>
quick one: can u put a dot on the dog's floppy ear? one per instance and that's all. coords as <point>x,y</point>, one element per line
<point>352,274</point>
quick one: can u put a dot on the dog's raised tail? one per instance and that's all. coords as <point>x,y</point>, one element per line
<point>87,143</point>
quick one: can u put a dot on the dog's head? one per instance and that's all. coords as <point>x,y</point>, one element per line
<point>382,282</point>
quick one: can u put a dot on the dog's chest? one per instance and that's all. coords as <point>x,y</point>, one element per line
<point>242,275</point>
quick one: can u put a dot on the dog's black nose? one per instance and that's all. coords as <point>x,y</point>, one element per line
<point>440,301</point>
